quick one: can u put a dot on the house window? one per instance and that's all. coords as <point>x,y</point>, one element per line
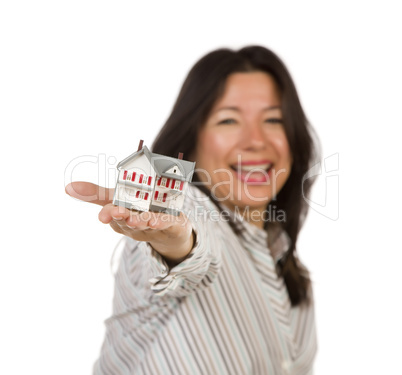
<point>141,195</point>
<point>158,197</point>
<point>163,183</point>
<point>177,185</point>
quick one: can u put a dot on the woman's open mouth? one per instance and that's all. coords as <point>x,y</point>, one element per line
<point>253,172</point>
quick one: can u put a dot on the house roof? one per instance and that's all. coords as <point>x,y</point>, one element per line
<point>161,164</point>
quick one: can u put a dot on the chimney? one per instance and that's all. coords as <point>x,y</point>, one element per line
<point>180,157</point>
<point>140,145</point>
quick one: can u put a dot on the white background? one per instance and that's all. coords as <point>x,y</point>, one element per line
<point>88,79</point>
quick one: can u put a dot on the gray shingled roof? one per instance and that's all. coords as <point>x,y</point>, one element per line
<point>162,163</point>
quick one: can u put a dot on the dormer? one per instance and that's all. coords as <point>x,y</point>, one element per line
<point>174,170</point>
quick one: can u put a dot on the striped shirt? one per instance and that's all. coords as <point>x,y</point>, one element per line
<point>223,310</point>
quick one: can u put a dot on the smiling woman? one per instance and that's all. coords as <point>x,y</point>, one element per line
<point>222,80</point>
<point>244,133</point>
<point>219,289</point>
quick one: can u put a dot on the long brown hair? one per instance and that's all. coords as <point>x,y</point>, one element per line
<point>201,89</point>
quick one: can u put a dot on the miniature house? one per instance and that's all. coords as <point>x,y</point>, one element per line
<point>152,182</point>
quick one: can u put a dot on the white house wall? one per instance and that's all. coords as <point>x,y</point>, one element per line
<point>135,184</point>
<point>174,198</point>
<point>134,198</point>
<point>139,166</point>
<point>176,202</point>
<point>158,197</point>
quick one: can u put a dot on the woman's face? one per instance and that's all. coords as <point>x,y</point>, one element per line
<point>242,154</point>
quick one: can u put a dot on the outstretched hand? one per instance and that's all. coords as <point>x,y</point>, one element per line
<point>171,236</point>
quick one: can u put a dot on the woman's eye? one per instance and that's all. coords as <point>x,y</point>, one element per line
<point>228,121</point>
<point>274,120</point>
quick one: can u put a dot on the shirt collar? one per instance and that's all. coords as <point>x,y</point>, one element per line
<point>275,237</point>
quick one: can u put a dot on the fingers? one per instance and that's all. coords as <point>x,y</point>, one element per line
<point>110,212</point>
<point>88,192</point>
<point>171,236</point>
<point>150,220</point>
<point>139,220</point>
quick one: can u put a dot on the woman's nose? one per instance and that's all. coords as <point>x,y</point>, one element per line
<point>253,137</point>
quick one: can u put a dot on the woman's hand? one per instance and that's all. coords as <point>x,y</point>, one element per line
<point>171,236</point>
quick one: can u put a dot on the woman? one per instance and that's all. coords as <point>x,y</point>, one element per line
<point>219,290</point>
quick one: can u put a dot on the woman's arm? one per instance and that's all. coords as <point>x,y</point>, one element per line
<point>171,236</point>
<point>182,252</point>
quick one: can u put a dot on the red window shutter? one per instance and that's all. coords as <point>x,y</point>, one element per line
<point>181,185</point>
<point>172,184</point>
<point>137,194</point>
<point>146,196</point>
<point>149,180</point>
<point>167,182</point>
<point>159,181</point>
<point>164,197</point>
<point>156,194</point>
<point>133,176</point>
<point>141,177</point>
<point>125,175</point>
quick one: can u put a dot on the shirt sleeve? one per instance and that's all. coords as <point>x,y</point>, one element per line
<point>147,294</point>
<point>196,272</point>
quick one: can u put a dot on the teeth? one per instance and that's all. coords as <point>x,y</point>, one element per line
<point>257,168</point>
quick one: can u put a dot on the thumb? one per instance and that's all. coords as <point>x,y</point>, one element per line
<point>88,192</point>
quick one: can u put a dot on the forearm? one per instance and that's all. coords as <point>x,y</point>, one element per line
<point>174,253</point>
